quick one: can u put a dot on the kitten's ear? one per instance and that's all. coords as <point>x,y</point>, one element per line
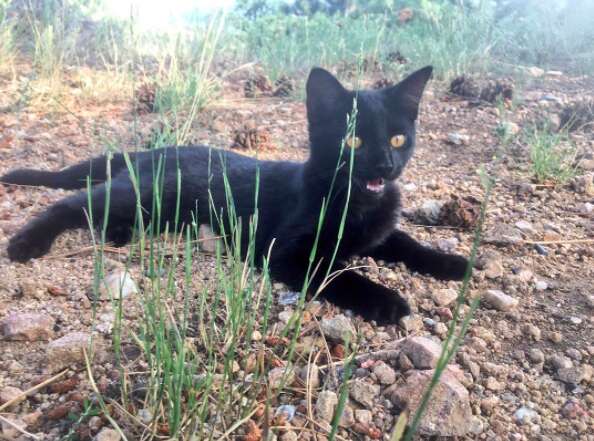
<point>325,94</point>
<point>406,95</point>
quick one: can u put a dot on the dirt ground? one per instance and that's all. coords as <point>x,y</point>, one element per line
<point>527,370</point>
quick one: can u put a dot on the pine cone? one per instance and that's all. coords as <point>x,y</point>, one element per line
<point>251,138</point>
<point>256,86</point>
<point>284,87</point>
<point>145,98</point>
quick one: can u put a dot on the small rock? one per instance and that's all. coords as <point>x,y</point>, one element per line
<point>574,354</point>
<point>575,320</point>
<point>9,426</point>
<point>27,326</point>
<point>556,337</point>
<point>412,323</point>
<point>338,328</point>
<point>288,298</point>
<point>575,374</point>
<point>325,405</point>
<point>448,412</point>
<point>444,297</point>
<point>525,415</point>
<point>540,285</point>
<point>493,269</point>
<point>287,410</point>
<point>491,383</point>
<point>536,355</point>
<point>145,415</point>
<point>9,393</point>
<point>107,434</point>
<point>543,251</point>
<point>117,285</point>
<point>363,416</point>
<point>525,226</point>
<point>499,300</point>
<point>285,316</point>
<point>69,349</point>
<point>559,362</point>
<point>572,409</point>
<point>456,138</point>
<point>429,212</point>
<point>384,373</point>
<point>489,404</point>
<point>289,435</point>
<point>440,329</point>
<point>447,245</point>
<point>277,375</point>
<point>95,423</point>
<point>533,331</point>
<point>364,393</point>
<point>422,351</point>
<point>404,362</point>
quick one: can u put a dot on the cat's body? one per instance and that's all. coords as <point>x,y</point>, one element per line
<point>290,196</point>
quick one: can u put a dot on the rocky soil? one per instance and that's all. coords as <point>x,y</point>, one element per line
<point>524,371</point>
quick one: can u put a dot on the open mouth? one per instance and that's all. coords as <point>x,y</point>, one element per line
<point>376,185</point>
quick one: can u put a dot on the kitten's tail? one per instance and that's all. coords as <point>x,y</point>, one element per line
<point>70,178</point>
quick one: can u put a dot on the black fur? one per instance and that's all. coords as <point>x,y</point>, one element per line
<point>290,196</point>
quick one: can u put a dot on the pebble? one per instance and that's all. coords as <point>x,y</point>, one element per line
<point>8,393</point>
<point>288,298</point>
<point>325,405</point>
<point>287,410</point>
<point>27,326</point>
<point>525,415</point>
<point>107,434</point>
<point>456,138</point>
<point>338,328</point>
<point>559,362</point>
<point>536,355</point>
<point>541,285</point>
<point>493,269</point>
<point>363,392</point>
<point>384,373</point>
<point>444,297</point>
<point>499,300</point>
<point>422,351</point>
<point>575,320</point>
<point>277,375</point>
<point>117,285</point>
<point>429,212</point>
<point>363,416</point>
<point>525,227</point>
<point>69,349</point>
<point>540,249</point>
<point>448,412</point>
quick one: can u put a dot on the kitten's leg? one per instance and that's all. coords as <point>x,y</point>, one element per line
<point>348,289</point>
<point>400,247</point>
<point>36,238</point>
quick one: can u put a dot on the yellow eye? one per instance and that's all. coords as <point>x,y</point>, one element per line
<point>354,142</point>
<point>398,141</point>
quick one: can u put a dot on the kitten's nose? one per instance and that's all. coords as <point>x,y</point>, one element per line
<point>384,170</point>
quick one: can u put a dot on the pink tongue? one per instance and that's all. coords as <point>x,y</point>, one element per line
<point>376,182</point>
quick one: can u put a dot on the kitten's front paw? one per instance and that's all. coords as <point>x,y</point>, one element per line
<point>386,309</point>
<point>24,246</point>
<point>454,267</point>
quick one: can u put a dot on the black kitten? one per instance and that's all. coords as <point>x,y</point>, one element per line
<point>290,196</point>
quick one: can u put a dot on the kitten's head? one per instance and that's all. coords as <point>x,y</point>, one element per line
<point>385,129</point>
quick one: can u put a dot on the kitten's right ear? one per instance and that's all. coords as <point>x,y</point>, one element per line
<point>325,94</point>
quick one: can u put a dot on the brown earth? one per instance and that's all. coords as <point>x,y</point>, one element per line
<point>511,361</point>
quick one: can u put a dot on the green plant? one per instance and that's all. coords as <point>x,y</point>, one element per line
<point>552,155</point>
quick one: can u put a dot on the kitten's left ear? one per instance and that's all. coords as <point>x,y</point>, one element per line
<point>406,95</point>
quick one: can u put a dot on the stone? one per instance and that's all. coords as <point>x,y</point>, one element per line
<point>117,285</point>
<point>458,139</point>
<point>444,297</point>
<point>491,383</point>
<point>448,413</point>
<point>499,300</point>
<point>9,393</point>
<point>9,425</point>
<point>384,373</point>
<point>412,323</point>
<point>107,434</point>
<point>541,285</point>
<point>535,72</point>
<point>363,416</point>
<point>533,331</point>
<point>280,376</point>
<point>536,355</point>
<point>575,374</point>
<point>208,240</point>
<point>429,212</point>
<point>422,351</point>
<point>69,350</point>
<point>525,415</point>
<point>525,227</point>
<point>325,405</point>
<point>27,326</point>
<point>489,404</point>
<point>289,435</point>
<point>404,362</point>
<point>493,269</point>
<point>338,328</point>
<point>363,392</point>
<point>559,362</point>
